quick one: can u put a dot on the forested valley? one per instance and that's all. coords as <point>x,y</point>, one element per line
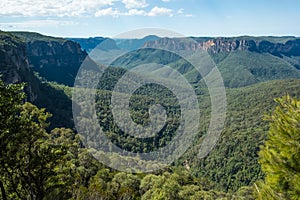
<point>43,156</point>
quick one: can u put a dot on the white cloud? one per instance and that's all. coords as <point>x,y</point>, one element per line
<point>166,0</point>
<point>73,8</point>
<point>156,11</point>
<point>180,11</point>
<point>108,12</point>
<point>51,7</point>
<point>135,3</point>
<point>133,12</point>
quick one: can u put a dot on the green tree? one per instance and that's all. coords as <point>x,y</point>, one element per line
<point>125,186</point>
<point>34,164</point>
<point>280,155</point>
<point>160,187</point>
<point>11,97</point>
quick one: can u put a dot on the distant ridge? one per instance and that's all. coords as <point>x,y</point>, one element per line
<point>242,61</point>
<point>133,44</point>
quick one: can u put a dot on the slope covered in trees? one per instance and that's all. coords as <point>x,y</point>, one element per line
<point>234,160</point>
<point>69,171</point>
<point>36,164</point>
<point>41,161</point>
<point>238,68</point>
<point>231,164</point>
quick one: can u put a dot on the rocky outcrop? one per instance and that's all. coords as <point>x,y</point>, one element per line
<point>56,61</point>
<point>14,66</point>
<point>13,59</point>
<point>227,45</point>
<point>213,45</point>
<point>217,45</point>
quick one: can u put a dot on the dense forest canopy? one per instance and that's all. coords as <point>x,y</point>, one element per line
<point>43,156</point>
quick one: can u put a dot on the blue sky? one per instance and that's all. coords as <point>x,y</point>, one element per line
<point>84,18</point>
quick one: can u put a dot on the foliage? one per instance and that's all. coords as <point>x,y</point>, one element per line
<point>233,163</point>
<point>40,165</point>
<point>39,161</point>
<point>238,68</point>
<point>32,36</point>
<point>33,162</point>
<point>9,40</point>
<point>57,100</point>
<point>280,154</point>
<point>242,68</point>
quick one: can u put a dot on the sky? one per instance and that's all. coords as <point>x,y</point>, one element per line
<point>109,18</point>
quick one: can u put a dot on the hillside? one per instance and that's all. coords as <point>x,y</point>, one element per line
<point>242,68</point>
<point>55,59</point>
<point>33,36</point>
<point>242,60</point>
<point>238,68</point>
<point>15,68</point>
<point>233,161</point>
<point>254,70</point>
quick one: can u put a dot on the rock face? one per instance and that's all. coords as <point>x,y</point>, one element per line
<point>213,45</point>
<point>56,61</point>
<point>291,47</point>
<point>14,66</point>
<point>13,57</point>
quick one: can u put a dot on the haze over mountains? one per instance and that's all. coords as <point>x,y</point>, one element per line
<point>242,61</point>
<point>255,70</point>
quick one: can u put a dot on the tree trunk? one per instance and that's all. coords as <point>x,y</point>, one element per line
<point>3,191</point>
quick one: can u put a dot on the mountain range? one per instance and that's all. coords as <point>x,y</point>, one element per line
<point>242,61</point>
<point>255,70</point>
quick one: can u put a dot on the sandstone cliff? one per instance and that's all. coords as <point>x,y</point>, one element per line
<point>55,59</point>
<point>14,66</point>
<point>287,46</point>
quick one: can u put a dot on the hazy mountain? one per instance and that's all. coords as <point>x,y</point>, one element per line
<point>242,61</point>
<point>91,43</point>
<point>133,44</point>
<point>106,50</point>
